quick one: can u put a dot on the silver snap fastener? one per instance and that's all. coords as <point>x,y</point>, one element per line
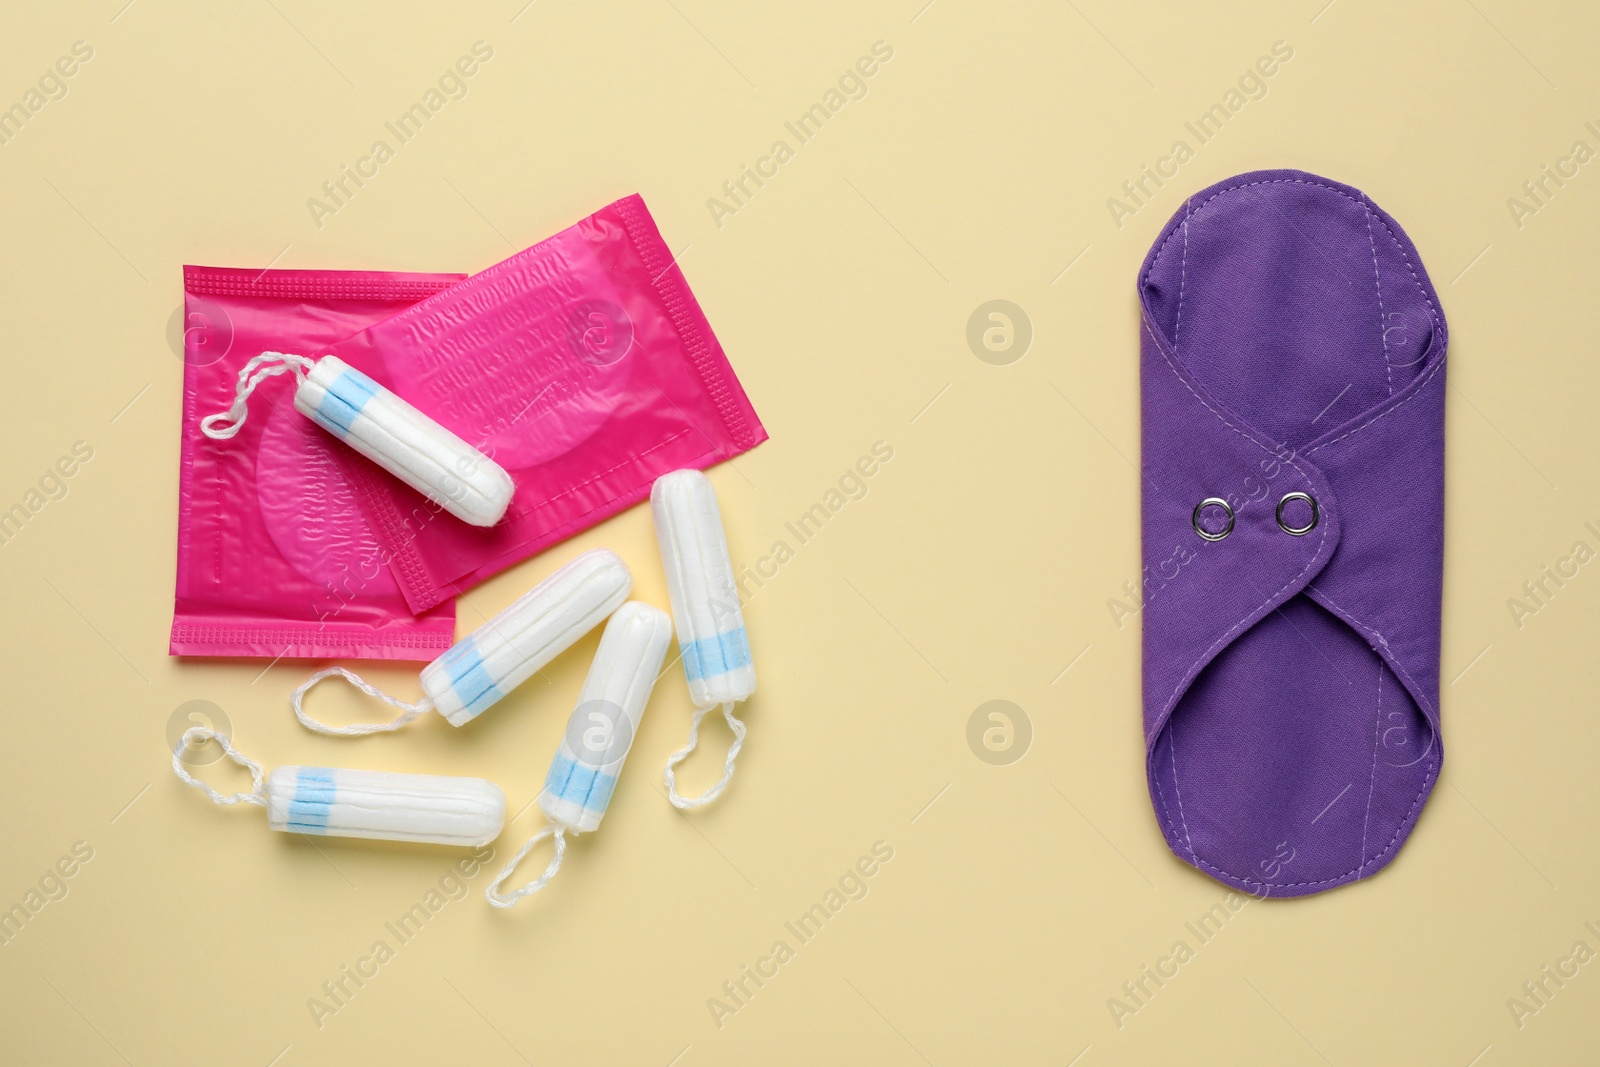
<point>1298,531</point>
<point>1212,502</point>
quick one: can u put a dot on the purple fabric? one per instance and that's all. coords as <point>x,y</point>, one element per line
<point>1291,342</point>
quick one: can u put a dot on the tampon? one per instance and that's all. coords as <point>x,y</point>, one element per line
<point>422,808</point>
<point>385,807</point>
<point>379,425</point>
<point>504,652</point>
<point>603,725</point>
<point>705,607</point>
<point>599,734</point>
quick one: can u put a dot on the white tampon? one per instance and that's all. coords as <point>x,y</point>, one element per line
<point>705,606</point>
<point>599,734</point>
<point>379,425</point>
<point>505,651</point>
<point>422,808</point>
<point>603,725</point>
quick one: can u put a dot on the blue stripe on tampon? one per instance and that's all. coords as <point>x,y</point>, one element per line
<point>469,678</point>
<point>572,781</point>
<point>346,396</point>
<point>600,793</point>
<point>560,771</point>
<point>712,656</point>
<point>313,797</point>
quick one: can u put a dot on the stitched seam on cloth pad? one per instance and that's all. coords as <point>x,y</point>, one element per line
<point>1372,779</point>
<point>1426,378</point>
<point>1177,791</point>
<point>1397,666</point>
<point>1433,771</point>
<point>1433,310</point>
<point>1377,279</point>
<point>1166,810</point>
<point>1183,270</point>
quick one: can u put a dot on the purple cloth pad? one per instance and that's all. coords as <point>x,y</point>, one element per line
<point>1292,374</point>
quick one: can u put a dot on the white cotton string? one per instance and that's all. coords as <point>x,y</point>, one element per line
<point>225,424</point>
<point>694,738</point>
<point>258,793</point>
<point>492,892</point>
<point>409,712</point>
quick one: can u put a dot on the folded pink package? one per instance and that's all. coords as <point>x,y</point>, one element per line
<point>274,555</point>
<point>582,365</point>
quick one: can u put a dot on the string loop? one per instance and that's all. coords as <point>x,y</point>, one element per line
<point>492,892</point>
<point>409,712</point>
<point>201,734</point>
<point>224,424</point>
<point>679,756</point>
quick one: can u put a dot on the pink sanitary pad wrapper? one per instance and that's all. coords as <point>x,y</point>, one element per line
<point>274,555</point>
<point>582,365</point>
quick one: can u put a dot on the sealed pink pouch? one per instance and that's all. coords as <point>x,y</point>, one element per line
<point>582,365</point>
<point>274,555</point>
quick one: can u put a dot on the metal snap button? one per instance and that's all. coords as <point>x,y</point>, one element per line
<point>1298,531</point>
<point>1212,502</point>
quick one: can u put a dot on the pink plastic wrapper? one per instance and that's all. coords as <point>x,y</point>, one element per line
<point>274,555</point>
<point>582,365</point>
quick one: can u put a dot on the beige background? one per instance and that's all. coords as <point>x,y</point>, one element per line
<point>978,567</point>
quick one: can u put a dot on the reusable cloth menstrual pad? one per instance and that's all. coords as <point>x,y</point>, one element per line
<point>1292,391</point>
